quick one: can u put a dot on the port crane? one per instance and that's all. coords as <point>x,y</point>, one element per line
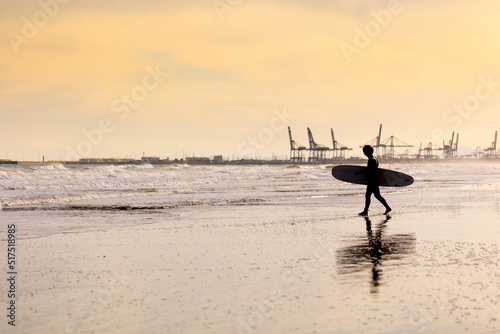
<point>450,150</point>
<point>338,148</point>
<point>316,151</point>
<point>385,148</point>
<point>296,150</point>
<point>427,152</point>
<point>491,152</point>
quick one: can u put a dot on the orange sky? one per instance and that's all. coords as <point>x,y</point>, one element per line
<point>194,78</point>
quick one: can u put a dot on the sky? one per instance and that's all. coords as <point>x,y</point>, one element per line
<point>203,77</point>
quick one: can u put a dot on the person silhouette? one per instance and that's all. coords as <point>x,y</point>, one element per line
<point>372,186</point>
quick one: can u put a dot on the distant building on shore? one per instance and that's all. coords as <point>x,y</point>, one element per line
<point>7,162</point>
<point>150,159</point>
<point>105,161</point>
<point>197,160</point>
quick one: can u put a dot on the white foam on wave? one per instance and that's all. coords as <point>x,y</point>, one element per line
<point>28,185</point>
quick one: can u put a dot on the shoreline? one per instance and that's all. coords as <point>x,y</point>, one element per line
<point>258,162</point>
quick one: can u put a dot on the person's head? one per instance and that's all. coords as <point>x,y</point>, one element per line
<point>368,150</point>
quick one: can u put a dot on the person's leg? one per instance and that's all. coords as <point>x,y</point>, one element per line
<point>376,192</point>
<point>368,196</point>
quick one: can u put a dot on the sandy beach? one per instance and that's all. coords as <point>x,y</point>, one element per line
<point>307,264</point>
<point>168,166</point>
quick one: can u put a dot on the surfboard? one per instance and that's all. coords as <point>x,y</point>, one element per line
<point>359,175</point>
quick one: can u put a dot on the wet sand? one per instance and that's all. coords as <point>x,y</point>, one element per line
<point>308,267</point>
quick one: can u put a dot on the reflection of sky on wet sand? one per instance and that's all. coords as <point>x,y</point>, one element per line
<point>371,253</point>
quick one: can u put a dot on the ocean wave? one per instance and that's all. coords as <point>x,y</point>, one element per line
<point>33,205</point>
<point>51,184</point>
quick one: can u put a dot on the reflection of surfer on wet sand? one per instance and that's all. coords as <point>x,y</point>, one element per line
<point>375,249</point>
<point>380,248</point>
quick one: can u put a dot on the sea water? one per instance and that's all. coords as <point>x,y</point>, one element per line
<point>67,198</point>
<point>231,235</point>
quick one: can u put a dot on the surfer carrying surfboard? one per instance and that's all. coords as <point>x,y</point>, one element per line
<point>373,182</point>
